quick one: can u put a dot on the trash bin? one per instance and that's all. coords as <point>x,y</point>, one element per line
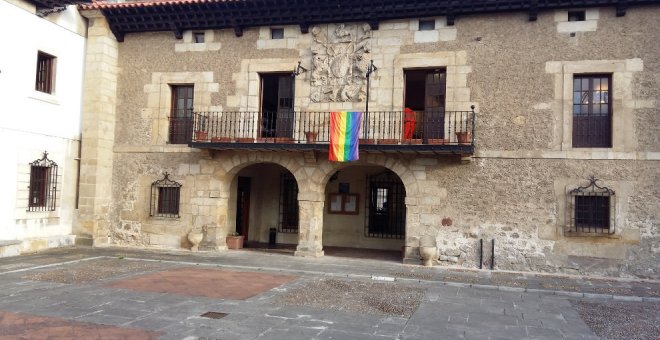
<point>272,237</point>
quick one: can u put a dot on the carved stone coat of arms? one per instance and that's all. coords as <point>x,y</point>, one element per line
<point>340,58</point>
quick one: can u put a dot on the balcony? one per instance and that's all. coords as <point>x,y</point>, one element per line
<point>427,132</point>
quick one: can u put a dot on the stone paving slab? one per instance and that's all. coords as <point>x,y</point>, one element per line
<point>25,326</point>
<point>454,310</point>
<point>211,283</point>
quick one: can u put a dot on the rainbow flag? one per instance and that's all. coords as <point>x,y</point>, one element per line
<point>344,136</point>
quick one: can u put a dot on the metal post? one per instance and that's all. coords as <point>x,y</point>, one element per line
<point>492,255</point>
<point>473,123</point>
<point>371,68</point>
<point>481,253</point>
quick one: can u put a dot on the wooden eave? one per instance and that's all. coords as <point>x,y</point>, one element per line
<point>178,16</point>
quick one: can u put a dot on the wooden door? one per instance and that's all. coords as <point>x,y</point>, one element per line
<point>243,206</point>
<point>434,105</point>
<point>285,116</point>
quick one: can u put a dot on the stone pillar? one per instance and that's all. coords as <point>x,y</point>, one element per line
<point>220,236</point>
<point>98,132</point>
<point>310,229</point>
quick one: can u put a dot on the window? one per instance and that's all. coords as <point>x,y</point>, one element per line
<point>43,184</point>
<point>426,25</point>
<point>591,209</point>
<point>425,96</point>
<point>576,16</point>
<point>386,210</point>
<point>181,122</point>
<point>288,204</point>
<point>198,37</point>
<point>45,73</point>
<point>165,196</point>
<point>277,33</point>
<point>592,112</point>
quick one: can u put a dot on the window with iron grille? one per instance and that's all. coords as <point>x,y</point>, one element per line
<point>181,115</point>
<point>591,210</point>
<point>45,72</point>
<point>165,196</point>
<point>288,204</point>
<point>592,111</point>
<point>386,209</point>
<point>43,185</point>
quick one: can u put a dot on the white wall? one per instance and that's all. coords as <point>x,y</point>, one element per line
<point>32,122</point>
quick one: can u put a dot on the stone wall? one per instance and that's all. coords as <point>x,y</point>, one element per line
<point>514,188</point>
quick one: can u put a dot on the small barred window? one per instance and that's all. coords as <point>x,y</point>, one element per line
<point>43,184</point>
<point>165,196</point>
<point>591,210</point>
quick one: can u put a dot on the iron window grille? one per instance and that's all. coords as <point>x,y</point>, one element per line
<point>386,210</point>
<point>591,210</point>
<point>45,72</point>
<point>592,111</point>
<point>289,209</point>
<point>43,184</point>
<point>165,197</point>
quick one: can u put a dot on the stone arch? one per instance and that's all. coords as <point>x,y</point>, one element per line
<point>395,165</point>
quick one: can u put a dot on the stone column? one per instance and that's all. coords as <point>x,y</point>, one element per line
<point>220,235</point>
<point>310,229</point>
<point>98,131</point>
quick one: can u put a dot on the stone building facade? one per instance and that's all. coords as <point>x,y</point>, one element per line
<point>520,188</point>
<point>41,84</point>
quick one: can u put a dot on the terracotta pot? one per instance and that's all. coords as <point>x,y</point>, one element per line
<point>311,136</point>
<point>387,141</point>
<point>366,141</point>
<point>464,137</point>
<point>245,140</point>
<point>235,242</point>
<point>222,139</point>
<point>195,238</point>
<point>201,136</point>
<point>438,141</point>
<point>283,140</point>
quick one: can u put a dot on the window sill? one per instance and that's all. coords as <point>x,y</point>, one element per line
<point>582,235</point>
<point>44,97</point>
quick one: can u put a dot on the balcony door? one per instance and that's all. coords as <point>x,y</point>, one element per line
<point>425,95</point>
<point>277,115</point>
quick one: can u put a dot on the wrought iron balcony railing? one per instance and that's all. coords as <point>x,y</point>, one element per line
<point>429,127</point>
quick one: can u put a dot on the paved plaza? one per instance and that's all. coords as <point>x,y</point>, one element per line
<point>113,293</point>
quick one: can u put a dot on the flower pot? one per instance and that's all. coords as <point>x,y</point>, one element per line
<point>366,141</point>
<point>311,136</point>
<point>464,137</point>
<point>245,140</point>
<point>235,242</point>
<point>387,141</point>
<point>201,136</point>
<point>428,254</point>
<point>222,139</point>
<point>437,141</point>
<point>195,238</point>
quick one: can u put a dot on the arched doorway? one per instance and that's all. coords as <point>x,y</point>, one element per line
<point>265,200</point>
<point>365,211</point>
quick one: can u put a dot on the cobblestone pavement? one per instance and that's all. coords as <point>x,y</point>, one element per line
<point>144,294</point>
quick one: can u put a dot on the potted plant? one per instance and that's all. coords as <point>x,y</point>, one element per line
<point>310,136</point>
<point>465,137</point>
<point>234,240</point>
<point>201,133</point>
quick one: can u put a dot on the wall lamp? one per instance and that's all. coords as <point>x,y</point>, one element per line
<point>298,70</point>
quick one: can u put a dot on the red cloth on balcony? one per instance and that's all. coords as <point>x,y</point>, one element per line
<point>409,122</point>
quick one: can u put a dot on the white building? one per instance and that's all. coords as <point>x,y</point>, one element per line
<point>41,75</point>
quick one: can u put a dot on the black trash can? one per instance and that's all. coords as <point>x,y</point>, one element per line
<point>272,237</point>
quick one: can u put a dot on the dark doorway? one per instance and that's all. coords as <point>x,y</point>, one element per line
<point>425,95</point>
<point>243,206</point>
<point>277,105</point>
<point>386,214</point>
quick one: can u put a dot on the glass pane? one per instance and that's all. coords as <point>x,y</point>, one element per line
<point>604,84</point>
<point>577,82</point>
<point>576,97</point>
<point>584,97</point>
<point>576,110</point>
<point>596,84</point>
<point>585,83</point>
<point>584,109</point>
